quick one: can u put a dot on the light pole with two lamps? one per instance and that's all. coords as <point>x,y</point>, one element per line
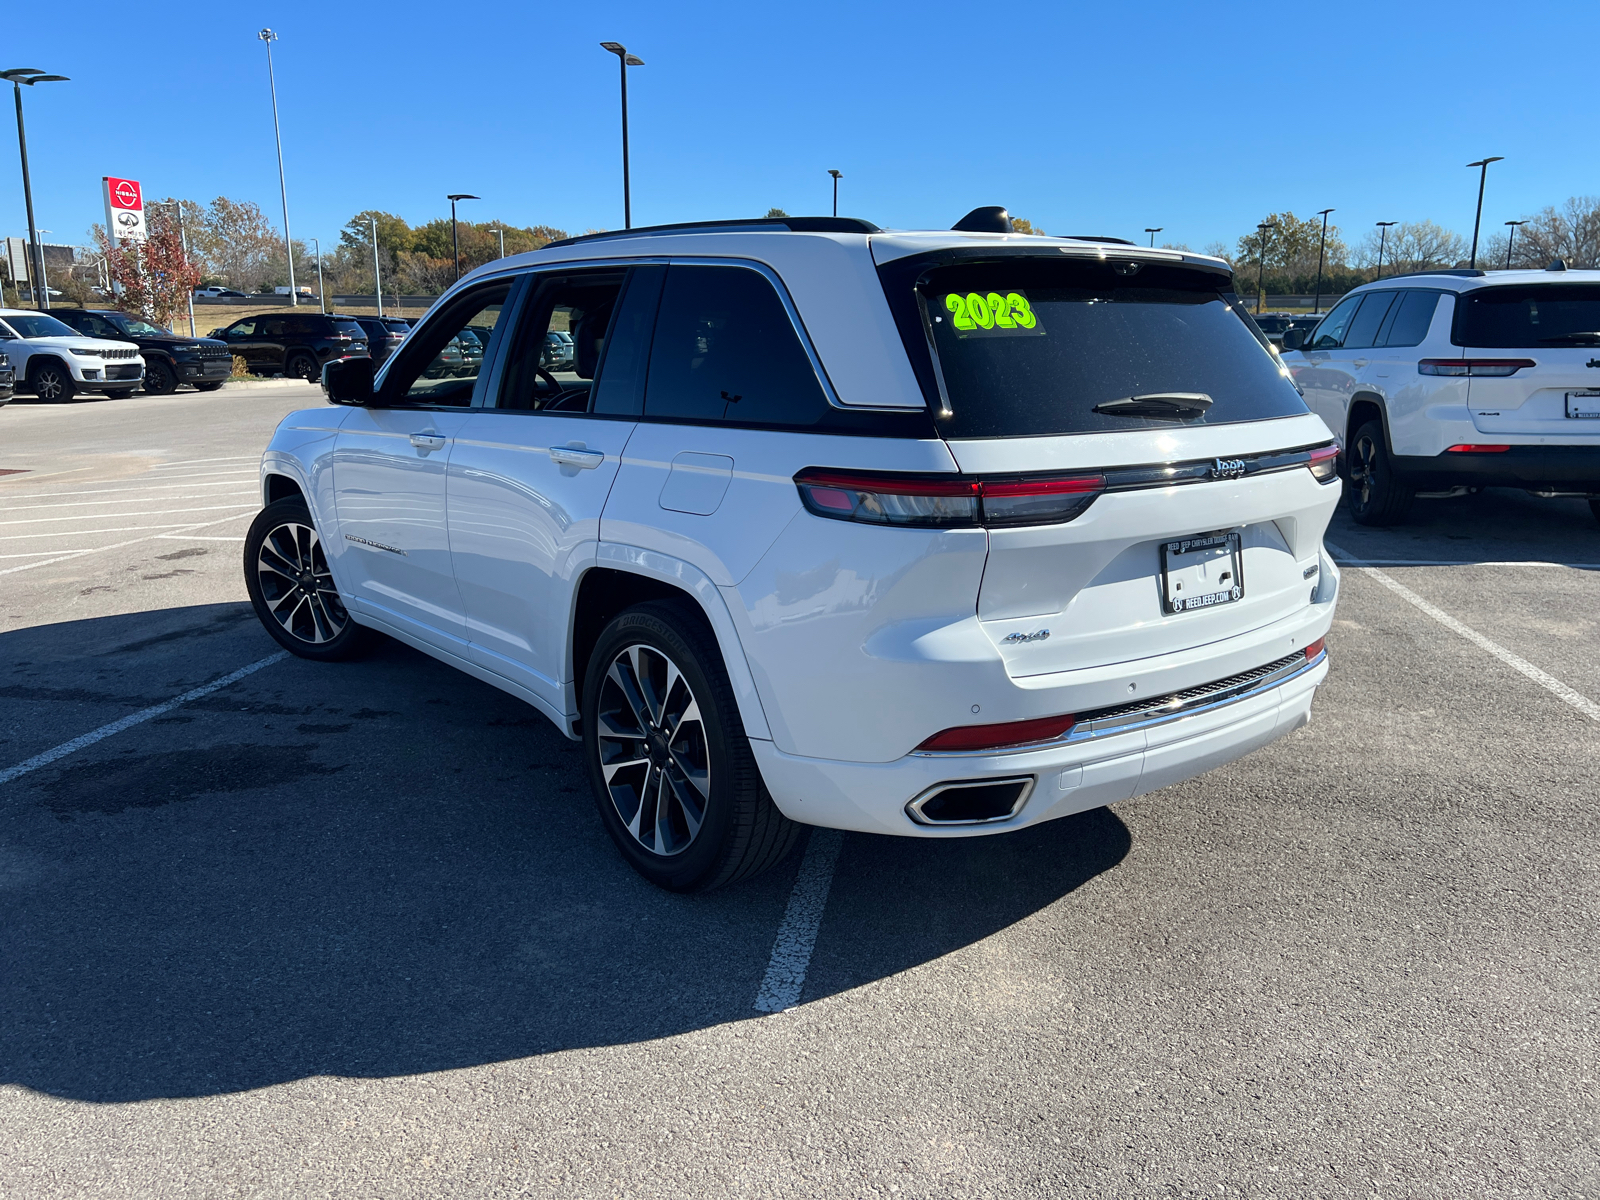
<point>624,60</point>
<point>1511,240</point>
<point>1152,232</point>
<point>30,76</point>
<point>1316,305</point>
<point>1483,178</point>
<point>268,37</point>
<point>455,241</point>
<point>837,175</point>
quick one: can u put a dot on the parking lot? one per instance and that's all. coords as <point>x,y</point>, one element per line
<point>355,929</point>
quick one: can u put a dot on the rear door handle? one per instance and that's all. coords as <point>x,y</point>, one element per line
<point>575,456</point>
<point>428,441</point>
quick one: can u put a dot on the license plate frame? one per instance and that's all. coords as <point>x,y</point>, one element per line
<point>1585,411</point>
<point>1188,561</point>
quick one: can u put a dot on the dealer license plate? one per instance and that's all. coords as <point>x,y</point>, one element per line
<point>1584,406</point>
<point>1201,572</point>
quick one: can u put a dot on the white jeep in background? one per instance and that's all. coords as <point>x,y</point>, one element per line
<point>54,361</point>
<point>1459,379</point>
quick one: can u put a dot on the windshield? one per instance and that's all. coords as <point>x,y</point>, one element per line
<point>40,326</point>
<point>1032,346</point>
<point>1527,317</point>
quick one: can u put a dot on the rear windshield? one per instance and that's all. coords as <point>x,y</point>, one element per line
<point>1032,346</point>
<point>353,328</point>
<point>1527,317</point>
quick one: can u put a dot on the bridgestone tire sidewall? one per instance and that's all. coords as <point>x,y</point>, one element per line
<point>658,625</point>
<point>349,640</point>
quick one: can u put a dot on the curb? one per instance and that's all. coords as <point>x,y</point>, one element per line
<point>243,384</point>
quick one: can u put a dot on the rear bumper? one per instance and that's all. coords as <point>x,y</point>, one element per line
<point>1066,777</point>
<point>1541,468</point>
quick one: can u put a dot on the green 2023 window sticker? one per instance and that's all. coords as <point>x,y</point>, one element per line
<point>990,314</point>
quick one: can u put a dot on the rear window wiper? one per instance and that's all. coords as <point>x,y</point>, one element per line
<point>1163,406</point>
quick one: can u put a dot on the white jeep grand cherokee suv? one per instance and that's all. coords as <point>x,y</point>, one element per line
<point>54,361</point>
<point>1457,379</point>
<point>933,534</point>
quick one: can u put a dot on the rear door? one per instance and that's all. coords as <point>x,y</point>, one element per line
<point>1536,361</point>
<point>267,348</point>
<point>1205,522</point>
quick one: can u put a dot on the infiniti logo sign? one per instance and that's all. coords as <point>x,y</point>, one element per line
<point>1227,468</point>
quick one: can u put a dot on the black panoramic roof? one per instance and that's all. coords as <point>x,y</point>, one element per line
<point>791,224</point>
<point>1458,272</point>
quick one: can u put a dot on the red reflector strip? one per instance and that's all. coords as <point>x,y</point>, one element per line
<point>1001,736</point>
<point>1075,485</point>
<point>1465,449</point>
<point>1315,648</point>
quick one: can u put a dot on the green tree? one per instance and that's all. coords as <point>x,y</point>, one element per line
<point>394,235</point>
<point>1023,225</point>
<point>775,213</point>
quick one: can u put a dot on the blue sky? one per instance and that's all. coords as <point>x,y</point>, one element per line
<point>1086,119</point>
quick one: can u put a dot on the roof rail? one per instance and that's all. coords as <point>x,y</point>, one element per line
<point>1459,272</point>
<point>1090,237</point>
<point>792,224</point>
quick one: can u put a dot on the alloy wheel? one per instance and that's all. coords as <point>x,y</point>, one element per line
<point>653,750</point>
<point>1363,467</point>
<point>48,385</point>
<point>297,585</point>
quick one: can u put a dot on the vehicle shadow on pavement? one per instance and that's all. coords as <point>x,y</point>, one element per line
<point>384,868</point>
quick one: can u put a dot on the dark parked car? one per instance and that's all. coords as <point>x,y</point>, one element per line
<point>169,358</point>
<point>384,335</point>
<point>295,344</point>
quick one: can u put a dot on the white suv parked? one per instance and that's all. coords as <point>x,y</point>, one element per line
<point>932,534</point>
<point>1459,379</point>
<point>53,360</point>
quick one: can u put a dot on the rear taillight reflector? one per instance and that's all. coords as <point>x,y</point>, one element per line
<point>1473,366</point>
<point>1467,449</point>
<point>1003,736</point>
<point>1315,648</point>
<point>1324,463</point>
<point>934,501</point>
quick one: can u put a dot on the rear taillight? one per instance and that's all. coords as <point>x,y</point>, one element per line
<point>1003,736</point>
<point>945,502</point>
<point>1473,366</point>
<point>1315,648</point>
<point>1464,448</point>
<point>1324,463</point>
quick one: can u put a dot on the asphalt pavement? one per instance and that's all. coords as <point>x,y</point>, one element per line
<point>356,929</point>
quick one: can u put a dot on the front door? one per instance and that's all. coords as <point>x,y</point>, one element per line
<point>531,473</point>
<point>1327,379</point>
<point>393,550</point>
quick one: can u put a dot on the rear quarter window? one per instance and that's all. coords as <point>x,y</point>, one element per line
<point>1528,317</point>
<point>1030,347</point>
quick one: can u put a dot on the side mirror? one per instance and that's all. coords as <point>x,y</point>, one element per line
<point>1293,339</point>
<point>348,381</point>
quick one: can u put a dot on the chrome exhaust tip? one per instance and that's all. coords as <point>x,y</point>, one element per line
<point>971,801</point>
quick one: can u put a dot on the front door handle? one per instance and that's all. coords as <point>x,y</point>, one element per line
<point>576,456</point>
<point>1359,363</point>
<point>428,441</point>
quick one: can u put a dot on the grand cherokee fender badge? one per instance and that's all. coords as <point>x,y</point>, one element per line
<point>1017,639</point>
<point>350,537</point>
<point>1228,468</point>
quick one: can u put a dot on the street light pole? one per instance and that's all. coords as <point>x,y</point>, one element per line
<point>268,37</point>
<point>377,278</point>
<point>183,240</point>
<point>1483,178</point>
<point>502,234</point>
<point>1316,304</point>
<point>836,177</point>
<point>1512,240</point>
<point>30,76</point>
<point>455,241</point>
<point>1261,273</point>
<point>624,61</point>
<point>1152,233</point>
<point>322,295</point>
<point>1383,234</point>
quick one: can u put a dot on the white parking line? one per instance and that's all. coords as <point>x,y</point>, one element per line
<point>116,545</point>
<point>132,719</point>
<point>233,480</point>
<point>797,936</point>
<point>249,491</point>
<point>189,537</point>
<point>61,533</point>
<point>149,512</point>
<point>195,462</point>
<point>1521,665</point>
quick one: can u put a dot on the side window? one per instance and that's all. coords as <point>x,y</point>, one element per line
<point>1330,334</point>
<point>620,388</point>
<point>725,350</point>
<point>546,371</point>
<point>1410,318</point>
<point>273,327</point>
<point>1363,331</point>
<point>241,329</point>
<point>99,327</point>
<point>438,369</point>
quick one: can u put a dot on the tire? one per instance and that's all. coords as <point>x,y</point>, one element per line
<point>49,380</point>
<point>159,379</point>
<point>290,586</point>
<point>1377,497</point>
<point>660,740</point>
<point>303,366</point>
<point>118,393</point>
<point>213,386</point>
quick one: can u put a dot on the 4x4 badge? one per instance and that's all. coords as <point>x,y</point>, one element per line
<point>1228,468</point>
